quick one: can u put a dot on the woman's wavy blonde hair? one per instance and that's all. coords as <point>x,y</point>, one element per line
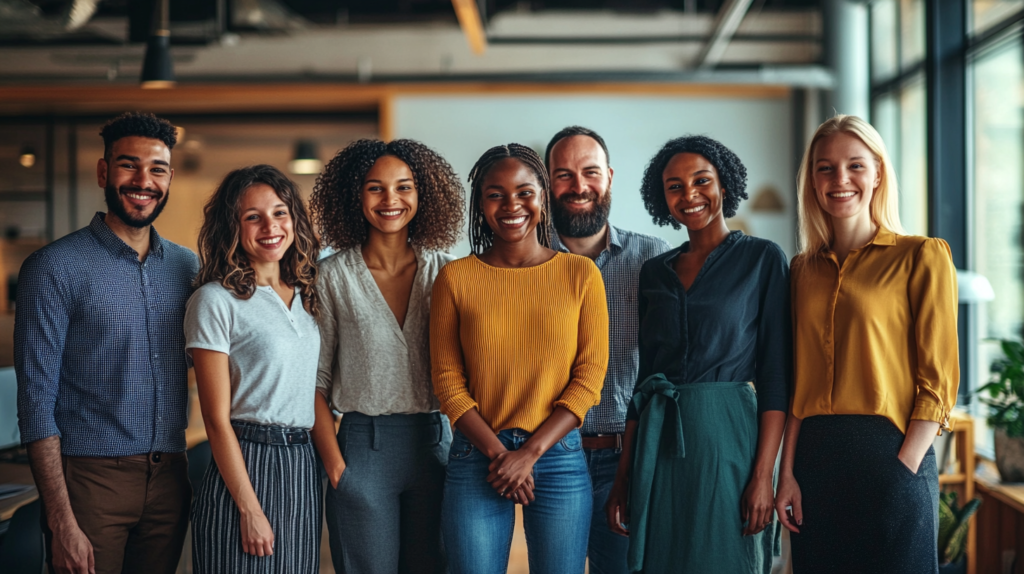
<point>221,257</point>
<point>816,231</point>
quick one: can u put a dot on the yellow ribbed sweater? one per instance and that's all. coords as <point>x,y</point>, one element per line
<point>516,343</point>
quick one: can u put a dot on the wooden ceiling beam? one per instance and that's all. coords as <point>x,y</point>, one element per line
<point>468,13</point>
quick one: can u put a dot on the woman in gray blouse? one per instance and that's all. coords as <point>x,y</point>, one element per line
<point>389,210</point>
<point>252,333</point>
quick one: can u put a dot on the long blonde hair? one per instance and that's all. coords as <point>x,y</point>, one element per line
<point>815,225</point>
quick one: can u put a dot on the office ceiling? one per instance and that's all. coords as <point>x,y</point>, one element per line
<point>97,41</point>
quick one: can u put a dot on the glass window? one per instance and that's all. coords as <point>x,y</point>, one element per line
<point>885,116</point>
<point>912,40</point>
<point>985,13</point>
<point>912,166</point>
<point>884,42</point>
<point>998,195</point>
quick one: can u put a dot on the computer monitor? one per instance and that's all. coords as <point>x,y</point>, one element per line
<point>9,434</point>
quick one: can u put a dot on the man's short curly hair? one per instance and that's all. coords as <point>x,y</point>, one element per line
<point>337,203</point>
<point>137,124</point>
<point>731,173</point>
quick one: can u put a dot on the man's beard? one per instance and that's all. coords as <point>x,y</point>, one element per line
<point>575,223</point>
<point>116,206</point>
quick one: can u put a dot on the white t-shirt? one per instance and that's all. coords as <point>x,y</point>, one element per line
<point>272,352</point>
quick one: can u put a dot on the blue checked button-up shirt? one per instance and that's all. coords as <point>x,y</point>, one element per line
<point>99,346</point>
<point>620,264</point>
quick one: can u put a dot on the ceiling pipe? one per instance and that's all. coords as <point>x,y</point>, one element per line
<point>726,23</point>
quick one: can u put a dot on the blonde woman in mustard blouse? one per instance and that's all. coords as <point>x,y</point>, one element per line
<point>876,367</point>
<point>519,349</point>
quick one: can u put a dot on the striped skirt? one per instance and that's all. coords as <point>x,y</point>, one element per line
<point>287,483</point>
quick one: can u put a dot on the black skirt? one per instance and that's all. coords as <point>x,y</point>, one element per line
<point>863,509</point>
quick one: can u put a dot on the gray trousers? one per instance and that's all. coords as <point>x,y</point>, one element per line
<point>385,515</point>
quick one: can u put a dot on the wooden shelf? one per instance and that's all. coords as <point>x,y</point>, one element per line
<point>963,481</point>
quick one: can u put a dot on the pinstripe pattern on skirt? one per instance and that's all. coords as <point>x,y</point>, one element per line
<point>287,484</point>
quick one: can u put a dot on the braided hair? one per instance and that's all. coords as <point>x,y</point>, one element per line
<point>480,233</point>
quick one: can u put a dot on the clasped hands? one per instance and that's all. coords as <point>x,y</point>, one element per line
<point>511,475</point>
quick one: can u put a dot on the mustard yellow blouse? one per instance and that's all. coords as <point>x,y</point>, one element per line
<point>877,335</point>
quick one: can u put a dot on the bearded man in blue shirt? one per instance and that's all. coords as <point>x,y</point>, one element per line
<point>102,375</point>
<point>581,185</point>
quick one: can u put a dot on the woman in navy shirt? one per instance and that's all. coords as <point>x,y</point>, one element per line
<point>700,443</point>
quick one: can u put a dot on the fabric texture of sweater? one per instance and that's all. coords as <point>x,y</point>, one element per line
<point>517,342</point>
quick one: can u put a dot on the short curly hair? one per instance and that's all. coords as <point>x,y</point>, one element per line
<point>137,124</point>
<point>337,204</point>
<point>731,172</point>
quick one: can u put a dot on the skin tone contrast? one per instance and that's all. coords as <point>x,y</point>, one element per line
<point>694,194</point>
<point>266,235</point>
<point>390,201</point>
<point>512,204</point>
<point>846,174</point>
<point>580,177</point>
<point>139,169</point>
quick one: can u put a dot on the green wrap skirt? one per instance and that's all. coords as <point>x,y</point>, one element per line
<point>693,458</point>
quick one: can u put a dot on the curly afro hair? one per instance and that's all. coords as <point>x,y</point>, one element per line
<point>137,124</point>
<point>337,204</point>
<point>731,173</point>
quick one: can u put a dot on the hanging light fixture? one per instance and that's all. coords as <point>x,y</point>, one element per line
<point>306,161</point>
<point>27,157</point>
<point>157,67</point>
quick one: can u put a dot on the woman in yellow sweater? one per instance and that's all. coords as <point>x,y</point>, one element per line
<point>519,349</point>
<point>876,373</point>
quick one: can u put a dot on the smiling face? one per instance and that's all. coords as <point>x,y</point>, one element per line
<point>581,182</point>
<point>693,190</point>
<point>389,195</point>
<point>136,179</point>
<point>845,176</point>
<point>266,225</point>
<point>511,201</point>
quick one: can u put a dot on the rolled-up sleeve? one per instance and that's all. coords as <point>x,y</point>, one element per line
<point>591,364</point>
<point>932,292</point>
<point>40,329</point>
<point>448,367</point>
<point>328,338</point>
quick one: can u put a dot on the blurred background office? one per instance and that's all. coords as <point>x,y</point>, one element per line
<point>290,82</point>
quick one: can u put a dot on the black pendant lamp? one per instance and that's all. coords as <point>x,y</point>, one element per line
<point>306,160</point>
<point>157,68</point>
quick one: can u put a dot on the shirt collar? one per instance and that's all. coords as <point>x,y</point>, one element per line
<point>884,237</point>
<point>115,245</point>
<point>612,242</point>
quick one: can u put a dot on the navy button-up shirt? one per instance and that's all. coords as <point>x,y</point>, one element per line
<point>732,325</point>
<point>99,347</point>
<point>620,264</point>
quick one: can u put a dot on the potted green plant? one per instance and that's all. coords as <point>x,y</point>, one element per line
<point>953,525</point>
<point>1005,392</point>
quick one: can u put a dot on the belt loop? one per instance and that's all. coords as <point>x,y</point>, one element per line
<point>376,434</point>
<point>618,443</point>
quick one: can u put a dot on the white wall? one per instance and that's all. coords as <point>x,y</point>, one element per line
<point>461,128</point>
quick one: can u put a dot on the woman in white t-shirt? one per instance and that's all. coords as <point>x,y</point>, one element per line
<point>251,330</point>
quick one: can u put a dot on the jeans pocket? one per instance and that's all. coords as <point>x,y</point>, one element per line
<point>461,447</point>
<point>572,441</point>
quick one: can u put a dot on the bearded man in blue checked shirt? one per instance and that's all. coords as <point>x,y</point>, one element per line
<point>99,354</point>
<point>581,185</point>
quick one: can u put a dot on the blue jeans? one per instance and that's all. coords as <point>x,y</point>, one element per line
<point>477,523</point>
<point>606,550</point>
